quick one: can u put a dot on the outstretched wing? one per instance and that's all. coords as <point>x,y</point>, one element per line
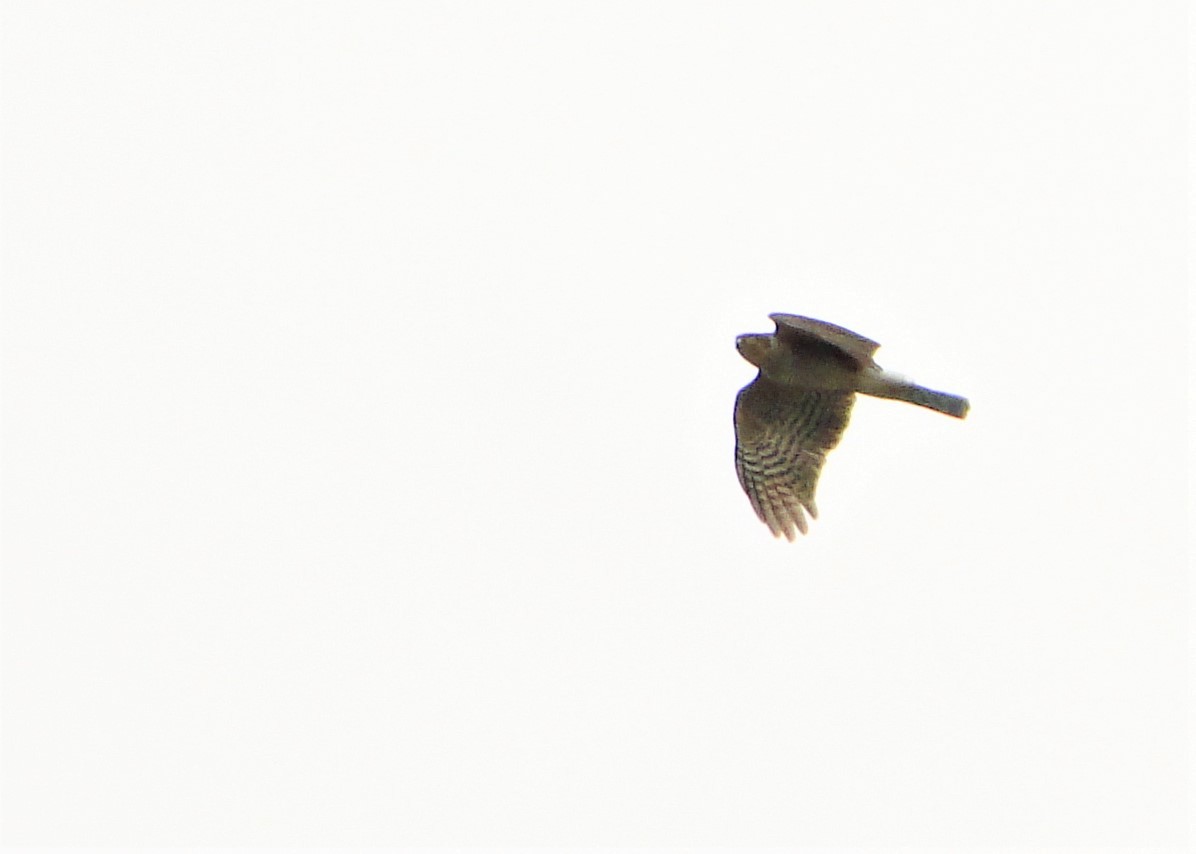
<point>795,330</point>
<point>782,437</point>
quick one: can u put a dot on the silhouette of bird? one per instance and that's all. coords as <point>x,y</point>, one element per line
<point>795,411</point>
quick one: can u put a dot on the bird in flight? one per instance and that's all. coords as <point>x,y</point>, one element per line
<point>795,411</point>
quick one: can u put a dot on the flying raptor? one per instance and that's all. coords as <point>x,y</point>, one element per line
<point>795,411</point>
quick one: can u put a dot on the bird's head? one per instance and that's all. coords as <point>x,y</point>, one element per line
<point>756,347</point>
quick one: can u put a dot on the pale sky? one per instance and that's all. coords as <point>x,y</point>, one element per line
<point>367,450</point>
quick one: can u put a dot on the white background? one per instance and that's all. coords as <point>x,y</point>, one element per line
<point>367,448</point>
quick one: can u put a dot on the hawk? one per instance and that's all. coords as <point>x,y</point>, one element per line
<point>794,412</point>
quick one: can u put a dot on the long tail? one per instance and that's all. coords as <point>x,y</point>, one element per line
<point>939,401</point>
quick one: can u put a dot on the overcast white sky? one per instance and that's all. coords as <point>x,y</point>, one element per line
<point>367,446</point>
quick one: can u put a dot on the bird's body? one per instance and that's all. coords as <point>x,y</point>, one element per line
<point>795,411</point>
